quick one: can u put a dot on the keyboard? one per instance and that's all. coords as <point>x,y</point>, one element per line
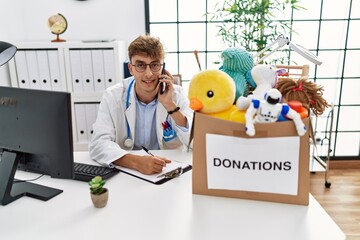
<point>85,172</point>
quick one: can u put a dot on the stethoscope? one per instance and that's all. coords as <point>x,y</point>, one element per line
<point>128,142</point>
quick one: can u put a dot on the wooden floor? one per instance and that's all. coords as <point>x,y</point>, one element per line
<point>342,200</point>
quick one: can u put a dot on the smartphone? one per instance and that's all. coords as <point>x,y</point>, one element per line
<point>162,84</point>
<point>162,87</point>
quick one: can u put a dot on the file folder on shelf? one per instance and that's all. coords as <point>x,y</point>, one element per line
<point>109,66</point>
<point>91,113</point>
<point>98,70</point>
<point>33,69</point>
<point>76,75</point>
<point>87,71</point>
<point>57,82</point>
<point>44,74</point>
<point>21,69</point>
<point>80,119</point>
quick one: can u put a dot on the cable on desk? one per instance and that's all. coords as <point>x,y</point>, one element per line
<point>29,180</point>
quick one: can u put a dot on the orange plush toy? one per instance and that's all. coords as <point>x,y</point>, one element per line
<point>299,108</point>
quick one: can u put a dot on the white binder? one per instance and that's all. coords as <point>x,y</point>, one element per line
<point>109,66</point>
<point>44,73</point>
<point>54,68</point>
<point>87,70</point>
<point>80,119</point>
<point>91,113</point>
<point>98,70</point>
<point>33,71</point>
<point>76,74</point>
<point>21,69</point>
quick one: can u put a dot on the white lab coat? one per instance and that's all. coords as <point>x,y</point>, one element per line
<point>110,129</point>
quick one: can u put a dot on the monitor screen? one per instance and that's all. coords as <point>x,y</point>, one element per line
<point>36,136</point>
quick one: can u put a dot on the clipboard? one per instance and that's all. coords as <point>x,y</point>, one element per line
<point>172,170</point>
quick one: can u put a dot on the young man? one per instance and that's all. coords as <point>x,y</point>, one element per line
<point>135,114</point>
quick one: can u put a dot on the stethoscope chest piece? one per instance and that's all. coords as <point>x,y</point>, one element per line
<point>128,143</point>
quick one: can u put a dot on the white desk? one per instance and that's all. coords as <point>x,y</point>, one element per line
<point>141,210</point>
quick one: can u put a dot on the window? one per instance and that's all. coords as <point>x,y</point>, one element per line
<point>327,28</point>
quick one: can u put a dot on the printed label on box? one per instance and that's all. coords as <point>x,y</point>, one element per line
<point>269,165</point>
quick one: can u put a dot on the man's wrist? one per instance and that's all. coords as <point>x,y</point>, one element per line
<point>174,110</point>
<point>170,107</point>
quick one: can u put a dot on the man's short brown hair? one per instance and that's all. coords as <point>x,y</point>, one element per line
<point>148,46</point>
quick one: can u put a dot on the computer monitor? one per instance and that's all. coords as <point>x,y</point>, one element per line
<point>36,136</point>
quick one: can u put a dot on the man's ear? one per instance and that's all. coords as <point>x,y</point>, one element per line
<point>130,67</point>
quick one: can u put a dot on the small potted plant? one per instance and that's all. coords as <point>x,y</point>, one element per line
<point>99,194</point>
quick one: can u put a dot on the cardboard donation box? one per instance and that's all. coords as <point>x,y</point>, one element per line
<point>271,166</point>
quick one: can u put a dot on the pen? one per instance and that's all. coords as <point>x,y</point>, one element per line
<point>147,150</point>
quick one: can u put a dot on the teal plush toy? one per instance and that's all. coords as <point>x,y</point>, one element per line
<point>238,63</point>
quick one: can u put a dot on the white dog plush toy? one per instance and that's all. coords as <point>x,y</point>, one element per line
<point>264,77</point>
<point>269,110</point>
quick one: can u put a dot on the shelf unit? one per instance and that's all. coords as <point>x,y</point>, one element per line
<point>84,69</point>
<point>320,147</point>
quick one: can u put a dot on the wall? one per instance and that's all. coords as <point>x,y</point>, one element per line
<point>26,20</point>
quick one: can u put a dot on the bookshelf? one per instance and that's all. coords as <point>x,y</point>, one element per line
<point>85,69</point>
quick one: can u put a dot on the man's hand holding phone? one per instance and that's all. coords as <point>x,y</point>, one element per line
<point>165,97</point>
<point>165,88</point>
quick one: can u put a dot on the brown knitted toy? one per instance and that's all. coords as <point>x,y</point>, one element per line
<point>305,91</point>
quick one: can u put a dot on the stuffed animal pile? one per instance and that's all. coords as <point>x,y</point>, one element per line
<point>214,92</point>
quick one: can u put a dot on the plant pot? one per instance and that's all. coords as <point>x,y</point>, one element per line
<point>100,200</point>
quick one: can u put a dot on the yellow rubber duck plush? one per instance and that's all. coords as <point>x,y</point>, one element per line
<point>212,92</point>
